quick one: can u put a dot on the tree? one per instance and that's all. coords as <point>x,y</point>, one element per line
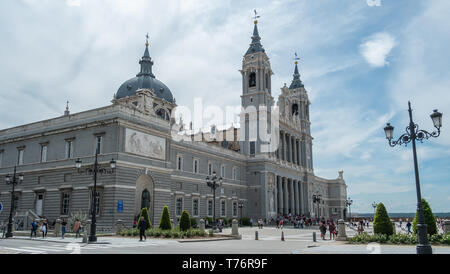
<point>430,220</point>
<point>164,223</point>
<point>382,223</point>
<point>185,222</point>
<point>144,212</point>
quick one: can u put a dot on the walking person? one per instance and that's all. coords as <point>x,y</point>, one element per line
<point>142,226</point>
<point>332,228</point>
<point>77,228</point>
<point>408,225</point>
<point>43,229</point>
<point>33,228</point>
<point>63,228</point>
<point>323,230</point>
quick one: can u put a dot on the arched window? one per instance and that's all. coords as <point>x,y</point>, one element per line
<point>295,109</point>
<point>163,114</point>
<point>267,81</point>
<point>252,80</point>
<point>145,202</point>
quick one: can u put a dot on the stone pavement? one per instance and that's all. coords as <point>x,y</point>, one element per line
<point>371,248</point>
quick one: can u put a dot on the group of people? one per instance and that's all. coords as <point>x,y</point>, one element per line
<point>298,221</point>
<point>44,227</point>
<point>331,228</point>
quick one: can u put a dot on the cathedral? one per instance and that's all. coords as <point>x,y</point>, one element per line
<point>150,168</point>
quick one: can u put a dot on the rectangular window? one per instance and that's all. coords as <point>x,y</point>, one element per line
<point>210,169</point>
<point>69,149</point>
<point>65,203</point>
<point>43,153</point>
<point>222,171</point>
<point>1,158</point>
<point>195,167</point>
<point>98,144</point>
<point>20,156</point>
<point>179,206</point>
<point>234,173</point>
<point>210,207</point>
<point>179,163</point>
<point>195,207</point>
<point>252,148</point>
<point>223,208</point>
<point>234,209</point>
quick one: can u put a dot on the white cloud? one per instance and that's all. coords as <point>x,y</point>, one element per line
<point>376,48</point>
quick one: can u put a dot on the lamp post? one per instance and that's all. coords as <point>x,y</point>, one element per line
<point>412,134</point>
<point>240,205</point>
<point>349,202</point>
<point>95,170</point>
<point>14,181</point>
<point>214,182</point>
<point>316,199</point>
<point>374,205</point>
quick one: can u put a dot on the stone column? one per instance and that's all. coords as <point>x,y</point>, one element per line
<point>283,134</point>
<point>294,141</point>
<point>280,195</point>
<point>301,199</point>
<point>342,236</point>
<point>297,200</point>
<point>276,195</point>
<point>294,150</point>
<point>119,224</point>
<point>286,199</point>
<point>234,228</point>
<point>291,195</point>
<point>289,145</point>
<point>57,227</point>
<point>202,224</point>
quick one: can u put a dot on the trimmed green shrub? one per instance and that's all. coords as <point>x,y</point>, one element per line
<point>430,220</point>
<point>167,233</point>
<point>185,222</point>
<point>211,233</point>
<point>193,223</point>
<point>245,221</point>
<point>382,223</point>
<point>144,212</point>
<point>164,223</point>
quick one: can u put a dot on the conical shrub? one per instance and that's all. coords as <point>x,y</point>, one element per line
<point>144,212</point>
<point>382,223</point>
<point>430,220</point>
<point>164,223</point>
<point>185,222</point>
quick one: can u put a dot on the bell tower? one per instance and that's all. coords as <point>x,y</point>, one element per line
<point>256,98</point>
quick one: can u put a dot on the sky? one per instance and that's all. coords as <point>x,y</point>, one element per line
<point>361,62</point>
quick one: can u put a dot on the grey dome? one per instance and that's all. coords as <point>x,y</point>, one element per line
<point>130,87</point>
<point>145,79</point>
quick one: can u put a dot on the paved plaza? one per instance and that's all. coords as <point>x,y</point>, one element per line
<point>296,241</point>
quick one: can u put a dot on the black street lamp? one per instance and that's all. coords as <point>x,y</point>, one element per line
<point>374,205</point>
<point>412,134</point>
<point>240,205</point>
<point>95,170</point>
<point>349,202</point>
<point>214,182</point>
<point>15,181</point>
<point>316,199</point>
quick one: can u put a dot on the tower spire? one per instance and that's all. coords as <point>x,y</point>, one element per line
<point>67,112</point>
<point>296,82</point>
<point>146,62</point>
<point>255,46</point>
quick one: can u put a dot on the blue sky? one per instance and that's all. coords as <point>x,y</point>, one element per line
<point>361,61</point>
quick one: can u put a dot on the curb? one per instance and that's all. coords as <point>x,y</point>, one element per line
<point>212,240</point>
<point>56,241</point>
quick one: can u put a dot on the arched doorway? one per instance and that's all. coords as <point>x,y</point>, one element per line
<point>144,196</point>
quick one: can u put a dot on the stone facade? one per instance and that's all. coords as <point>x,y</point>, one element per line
<point>136,131</point>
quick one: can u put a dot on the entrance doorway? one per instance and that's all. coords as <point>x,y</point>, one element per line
<point>39,200</point>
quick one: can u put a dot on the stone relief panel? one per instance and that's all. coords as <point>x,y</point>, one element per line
<point>145,144</point>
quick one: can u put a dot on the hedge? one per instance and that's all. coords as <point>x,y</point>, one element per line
<point>430,220</point>
<point>185,222</point>
<point>382,223</point>
<point>165,223</point>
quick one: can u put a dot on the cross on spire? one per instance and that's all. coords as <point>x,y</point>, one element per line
<point>256,17</point>
<point>296,58</point>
